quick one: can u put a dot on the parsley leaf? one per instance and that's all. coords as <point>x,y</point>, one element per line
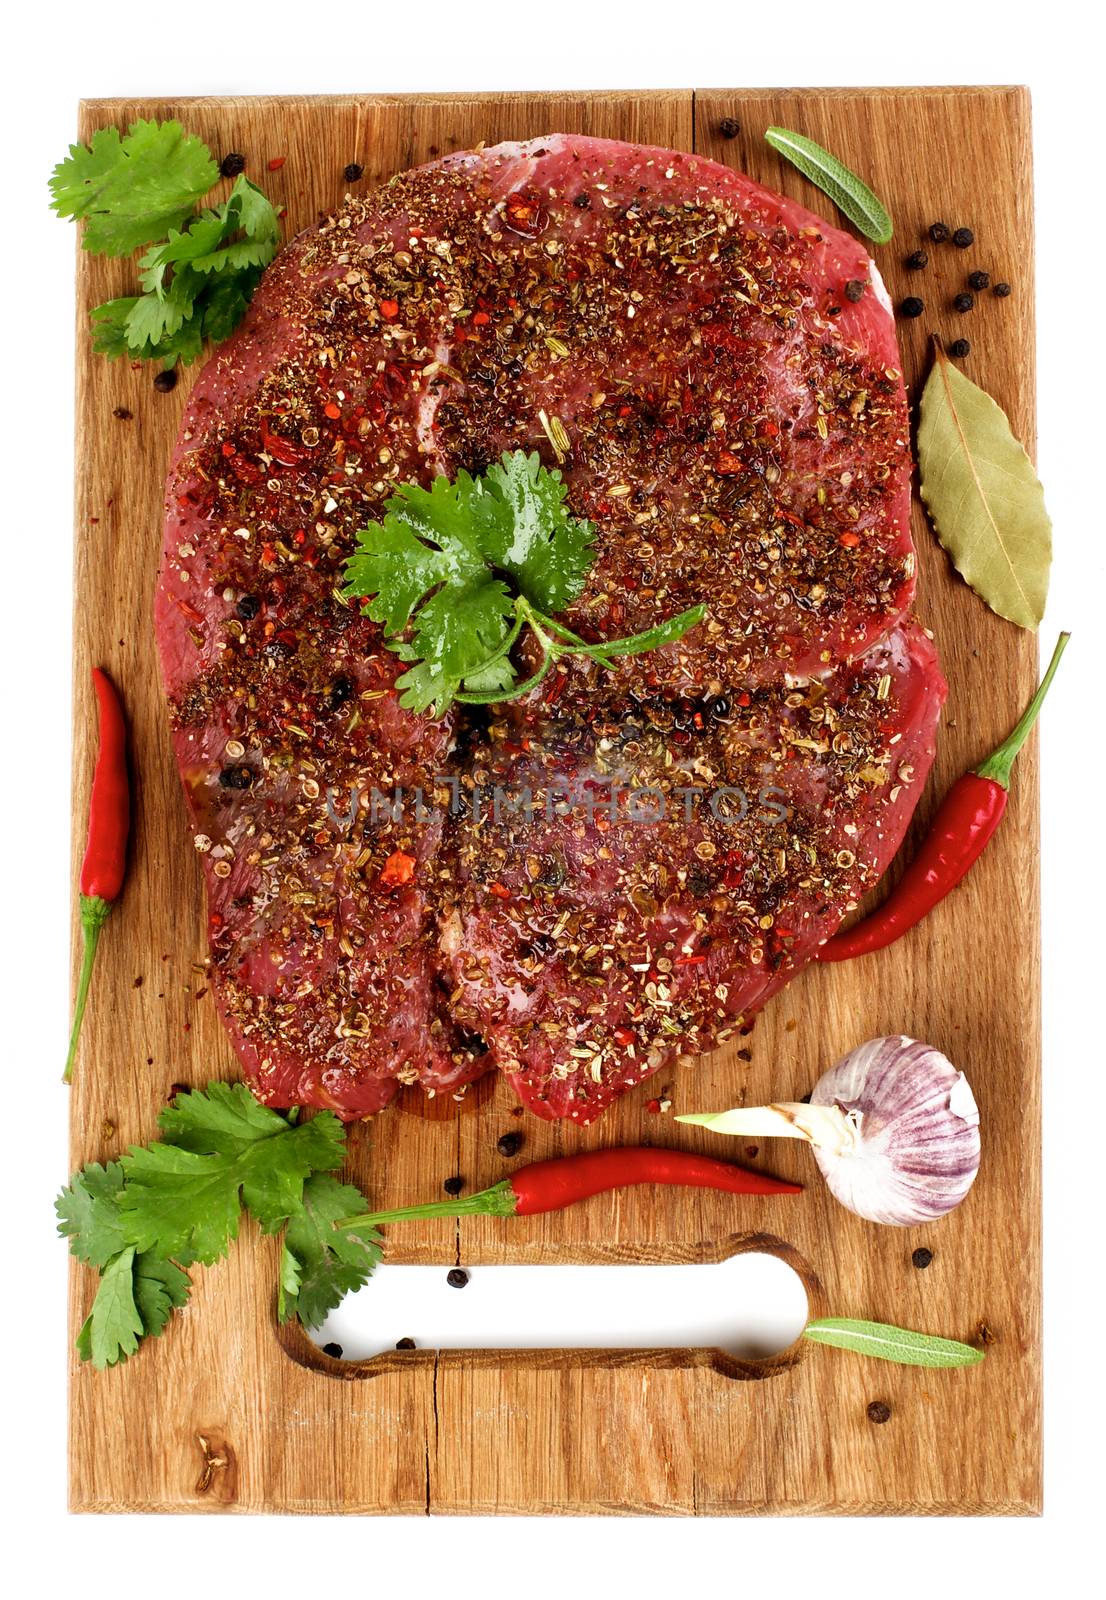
<point>131,190</point>
<point>435,575</point>
<point>319,1266</point>
<point>114,1327</point>
<point>141,1220</point>
<point>183,1195</point>
<point>202,267</point>
<point>88,1213</point>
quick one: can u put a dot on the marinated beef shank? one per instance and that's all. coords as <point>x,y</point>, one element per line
<point>581,887</point>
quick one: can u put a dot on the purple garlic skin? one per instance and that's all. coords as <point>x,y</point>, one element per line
<point>918,1149</point>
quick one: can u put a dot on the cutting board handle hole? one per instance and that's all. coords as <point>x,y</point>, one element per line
<point>741,1315</point>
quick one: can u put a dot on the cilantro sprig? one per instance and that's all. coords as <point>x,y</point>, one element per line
<point>455,574</point>
<point>142,1220</point>
<point>203,265</point>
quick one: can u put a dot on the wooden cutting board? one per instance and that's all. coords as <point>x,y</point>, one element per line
<point>226,1412</point>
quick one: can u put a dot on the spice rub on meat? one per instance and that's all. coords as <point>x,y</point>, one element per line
<point>680,342</point>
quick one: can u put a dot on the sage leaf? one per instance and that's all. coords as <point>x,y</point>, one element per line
<point>848,192</point>
<point>984,497</point>
<point>886,1343</point>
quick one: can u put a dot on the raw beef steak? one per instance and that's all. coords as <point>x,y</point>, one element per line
<point>683,345</point>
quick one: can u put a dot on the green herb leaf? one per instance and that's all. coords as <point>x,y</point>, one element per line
<point>130,191</point>
<point>181,1202</point>
<point>431,572</point>
<point>320,1265</point>
<point>114,1326</point>
<point>88,1213</point>
<point>887,1343</point>
<point>425,568</point>
<point>984,498</point>
<point>199,279</point>
<point>848,192</point>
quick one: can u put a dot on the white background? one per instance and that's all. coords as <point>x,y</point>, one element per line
<point>54,56</point>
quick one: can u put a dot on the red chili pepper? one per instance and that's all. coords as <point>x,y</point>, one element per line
<point>553,1185</point>
<point>105,858</point>
<point>965,821</point>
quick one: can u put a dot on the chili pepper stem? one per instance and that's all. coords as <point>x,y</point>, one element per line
<point>998,765</point>
<point>498,1201</point>
<point>94,913</point>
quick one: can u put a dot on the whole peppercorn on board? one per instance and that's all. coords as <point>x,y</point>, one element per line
<point>228,1412</point>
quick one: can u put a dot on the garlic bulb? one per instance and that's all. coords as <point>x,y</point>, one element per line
<point>894,1128</point>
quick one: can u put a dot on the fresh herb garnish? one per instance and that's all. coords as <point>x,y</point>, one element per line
<point>983,496</point>
<point>145,1218</point>
<point>848,192</point>
<point>203,265</point>
<point>456,572</point>
<point>886,1343</point>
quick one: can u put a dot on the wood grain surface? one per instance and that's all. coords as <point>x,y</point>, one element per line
<point>228,1413</point>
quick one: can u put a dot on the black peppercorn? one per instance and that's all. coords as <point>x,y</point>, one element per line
<point>962,238</point>
<point>582,201</point>
<point>917,259</point>
<point>979,280</point>
<point>354,170</point>
<point>166,382</point>
<point>729,127</point>
<point>964,301</point>
<point>960,347</point>
<point>912,306</point>
<point>854,290</point>
<point>232,165</point>
<point>405,1344</point>
<point>236,777</point>
<point>453,1185</point>
<point>334,1350</point>
<point>509,1144</point>
<point>939,232</point>
<point>922,1257</point>
<point>879,1411</point>
<point>339,692</point>
<point>1002,290</point>
<point>248,607</point>
<point>457,1277</point>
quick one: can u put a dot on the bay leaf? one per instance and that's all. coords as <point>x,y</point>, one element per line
<point>983,496</point>
<point>886,1343</point>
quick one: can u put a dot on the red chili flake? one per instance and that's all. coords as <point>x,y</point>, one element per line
<point>624,1036</point>
<point>555,689</point>
<point>727,462</point>
<point>653,1107</point>
<point>769,429</point>
<point>229,449</point>
<point>481,319</point>
<point>389,309</point>
<point>398,869</point>
<point>332,411</point>
<point>190,611</point>
<point>500,890</point>
<point>525,213</point>
<point>849,540</point>
<point>744,699</point>
<point>276,163</point>
<point>689,961</point>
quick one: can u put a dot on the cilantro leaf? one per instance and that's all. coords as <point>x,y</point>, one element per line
<point>137,1296</point>
<point>160,1288</point>
<point>114,1326</point>
<point>131,190</point>
<point>425,568</point>
<point>429,573</point>
<point>185,1196</point>
<point>88,1213</point>
<point>531,534</point>
<point>320,1265</point>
